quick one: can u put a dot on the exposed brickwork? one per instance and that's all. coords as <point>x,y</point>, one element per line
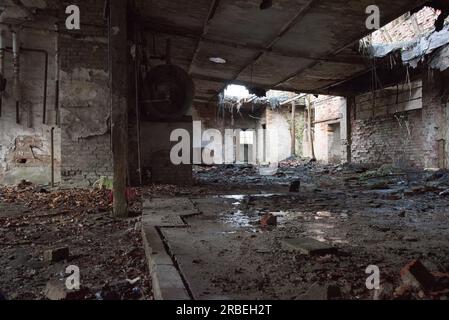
<point>403,30</point>
<point>408,138</point>
<point>386,139</point>
<point>85,161</point>
<point>86,152</point>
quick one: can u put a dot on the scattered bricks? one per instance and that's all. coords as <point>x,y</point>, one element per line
<point>308,246</point>
<point>57,255</point>
<point>268,220</point>
<point>404,292</point>
<point>416,275</point>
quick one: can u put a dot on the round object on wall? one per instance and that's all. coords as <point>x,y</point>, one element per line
<point>167,93</point>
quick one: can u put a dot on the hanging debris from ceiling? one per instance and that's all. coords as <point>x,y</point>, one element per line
<point>432,47</point>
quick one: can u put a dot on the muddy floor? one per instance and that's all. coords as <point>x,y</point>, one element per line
<point>366,216</point>
<point>107,251</point>
<point>362,215</point>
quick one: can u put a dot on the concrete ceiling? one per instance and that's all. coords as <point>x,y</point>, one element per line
<point>297,45</point>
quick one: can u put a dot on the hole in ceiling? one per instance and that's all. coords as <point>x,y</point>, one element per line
<point>236,91</point>
<point>217,60</point>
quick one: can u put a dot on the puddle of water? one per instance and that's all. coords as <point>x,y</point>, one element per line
<point>241,220</point>
<point>241,197</point>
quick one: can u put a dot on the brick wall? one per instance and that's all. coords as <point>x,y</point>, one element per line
<point>386,139</point>
<point>85,112</point>
<point>25,147</point>
<point>402,29</point>
<point>408,137</point>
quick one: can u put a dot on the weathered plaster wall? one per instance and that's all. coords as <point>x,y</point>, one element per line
<point>279,138</point>
<point>327,133</point>
<point>208,115</point>
<point>84,99</point>
<point>25,147</point>
<point>434,119</point>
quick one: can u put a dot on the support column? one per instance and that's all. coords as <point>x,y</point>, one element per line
<point>309,128</point>
<point>118,68</point>
<point>293,129</point>
<point>346,128</point>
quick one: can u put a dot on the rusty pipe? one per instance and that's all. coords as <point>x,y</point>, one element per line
<point>2,64</point>
<point>57,56</point>
<point>16,67</point>
<point>52,148</point>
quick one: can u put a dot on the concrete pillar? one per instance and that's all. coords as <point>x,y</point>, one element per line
<point>118,68</point>
<point>346,128</point>
<point>433,120</point>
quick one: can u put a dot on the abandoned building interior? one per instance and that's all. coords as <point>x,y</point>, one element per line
<point>309,150</point>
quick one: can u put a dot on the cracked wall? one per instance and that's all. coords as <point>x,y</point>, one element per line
<point>25,148</point>
<point>405,127</point>
<point>84,102</point>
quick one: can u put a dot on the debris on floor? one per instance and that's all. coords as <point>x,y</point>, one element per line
<point>43,233</point>
<point>344,219</point>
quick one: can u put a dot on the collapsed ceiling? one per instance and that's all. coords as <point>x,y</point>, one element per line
<point>296,45</point>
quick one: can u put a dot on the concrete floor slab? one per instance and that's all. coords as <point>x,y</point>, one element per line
<point>308,246</point>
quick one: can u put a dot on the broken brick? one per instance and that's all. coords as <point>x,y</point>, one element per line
<point>268,220</point>
<point>57,255</point>
<point>416,275</point>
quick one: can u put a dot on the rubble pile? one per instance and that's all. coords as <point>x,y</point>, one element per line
<point>42,232</point>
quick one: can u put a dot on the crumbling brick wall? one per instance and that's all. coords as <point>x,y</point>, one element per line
<point>388,140</point>
<point>85,112</point>
<point>405,28</point>
<point>25,147</point>
<point>408,137</point>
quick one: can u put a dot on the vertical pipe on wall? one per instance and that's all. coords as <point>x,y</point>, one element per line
<point>52,147</point>
<point>57,118</point>
<point>137,82</point>
<point>44,103</point>
<point>16,66</point>
<point>2,65</point>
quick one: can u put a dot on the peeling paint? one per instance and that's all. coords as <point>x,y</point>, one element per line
<point>84,104</point>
